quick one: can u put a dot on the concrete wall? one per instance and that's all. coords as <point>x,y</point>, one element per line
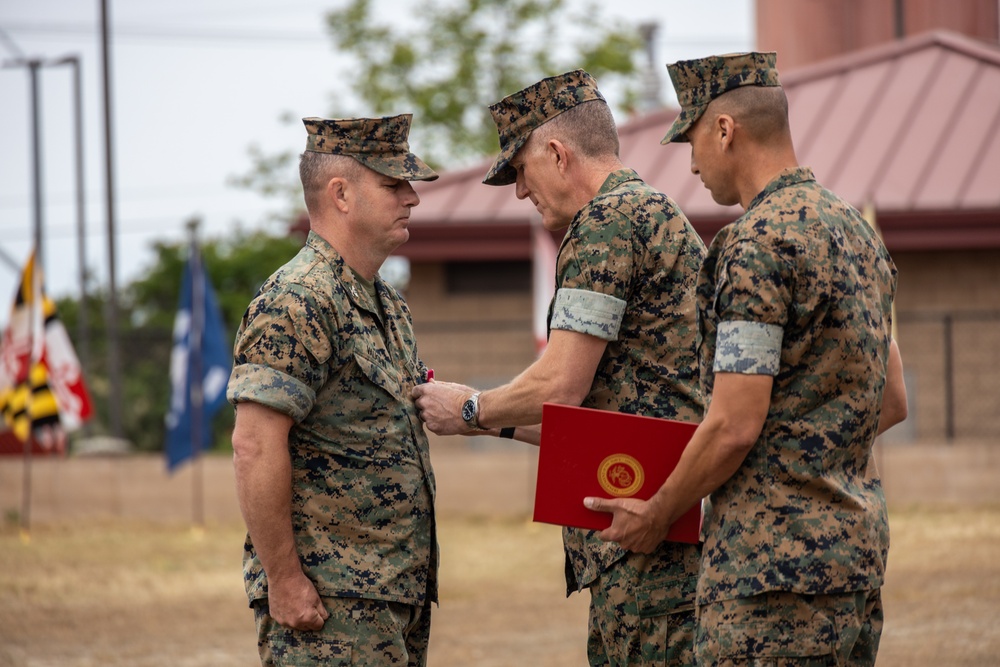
<point>948,329</point>
<point>473,479</point>
<point>477,339</point>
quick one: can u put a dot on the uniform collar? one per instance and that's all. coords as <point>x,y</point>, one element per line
<point>353,288</point>
<point>785,179</point>
<point>617,178</point>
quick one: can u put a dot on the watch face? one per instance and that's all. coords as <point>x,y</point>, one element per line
<point>468,410</point>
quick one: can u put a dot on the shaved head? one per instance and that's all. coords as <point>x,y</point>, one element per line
<point>762,111</point>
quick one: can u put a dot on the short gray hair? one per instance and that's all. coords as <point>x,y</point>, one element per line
<point>316,170</point>
<point>589,127</point>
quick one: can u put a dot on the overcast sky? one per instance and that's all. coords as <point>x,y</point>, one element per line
<point>195,83</point>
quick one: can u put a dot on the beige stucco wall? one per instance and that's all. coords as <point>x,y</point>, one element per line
<point>486,339</point>
<point>474,339</point>
<point>960,290</point>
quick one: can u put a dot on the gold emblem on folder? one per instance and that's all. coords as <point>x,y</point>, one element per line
<point>620,475</point>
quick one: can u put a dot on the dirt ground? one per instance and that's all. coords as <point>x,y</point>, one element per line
<point>137,590</point>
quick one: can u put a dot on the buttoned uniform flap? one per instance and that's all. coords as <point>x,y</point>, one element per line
<point>814,638</point>
<point>665,594</point>
<point>318,649</point>
<point>389,378</point>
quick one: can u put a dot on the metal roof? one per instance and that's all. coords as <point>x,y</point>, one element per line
<point>911,127</point>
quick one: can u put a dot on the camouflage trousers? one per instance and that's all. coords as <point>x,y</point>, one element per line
<point>642,613</point>
<point>370,633</point>
<point>781,629</point>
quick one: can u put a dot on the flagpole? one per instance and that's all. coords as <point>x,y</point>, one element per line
<point>33,66</point>
<point>33,302</point>
<point>26,493</point>
<point>196,385</point>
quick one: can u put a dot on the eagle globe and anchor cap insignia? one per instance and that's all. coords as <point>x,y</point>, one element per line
<point>620,475</point>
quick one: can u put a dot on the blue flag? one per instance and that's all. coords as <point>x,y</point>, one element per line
<point>200,350</point>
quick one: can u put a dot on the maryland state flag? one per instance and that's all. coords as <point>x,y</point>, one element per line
<point>42,392</point>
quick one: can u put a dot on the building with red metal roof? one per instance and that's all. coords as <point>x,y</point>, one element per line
<point>909,129</point>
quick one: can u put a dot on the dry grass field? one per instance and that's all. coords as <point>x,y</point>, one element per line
<point>137,592</point>
<point>146,595</point>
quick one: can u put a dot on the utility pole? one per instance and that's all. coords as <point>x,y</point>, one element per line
<point>83,331</point>
<point>197,374</point>
<point>36,162</point>
<point>114,364</point>
<point>34,65</point>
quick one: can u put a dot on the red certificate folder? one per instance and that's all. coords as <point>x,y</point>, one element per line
<point>585,452</point>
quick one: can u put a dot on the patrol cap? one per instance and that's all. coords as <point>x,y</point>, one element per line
<point>518,114</point>
<point>700,81</point>
<point>378,143</point>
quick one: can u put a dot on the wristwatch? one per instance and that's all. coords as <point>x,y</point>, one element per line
<point>470,412</point>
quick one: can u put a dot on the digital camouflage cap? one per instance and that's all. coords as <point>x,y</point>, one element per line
<point>518,114</point>
<point>378,143</point>
<point>700,81</point>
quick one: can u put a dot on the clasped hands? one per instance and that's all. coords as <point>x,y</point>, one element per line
<point>439,405</point>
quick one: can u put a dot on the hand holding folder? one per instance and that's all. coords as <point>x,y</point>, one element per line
<point>586,452</point>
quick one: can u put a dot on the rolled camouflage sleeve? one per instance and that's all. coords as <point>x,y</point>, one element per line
<point>752,301</point>
<point>751,348</point>
<point>598,315</point>
<point>594,272</point>
<point>281,353</point>
<point>273,389</point>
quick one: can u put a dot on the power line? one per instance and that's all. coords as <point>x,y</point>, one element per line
<point>185,34</point>
<point>11,45</point>
<point>175,34</point>
<point>139,225</point>
<point>60,197</point>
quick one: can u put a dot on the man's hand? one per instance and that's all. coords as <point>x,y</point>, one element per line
<point>294,603</point>
<point>440,406</point>
<point>635,525</point>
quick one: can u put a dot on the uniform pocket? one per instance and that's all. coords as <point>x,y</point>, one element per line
<point>283,647</point>
<point>667,620</point>
<point>814,639</point>
<point>667,595</point>
<point>388,379</point>
<point>307,649</point>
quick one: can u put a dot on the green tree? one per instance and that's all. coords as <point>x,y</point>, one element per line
<point>452,59</point>
<point>456,58</point>
<point>236,267</point>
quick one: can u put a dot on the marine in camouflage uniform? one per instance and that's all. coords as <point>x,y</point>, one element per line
<point>795,298</point>
<point>625,273</point>
<point>625,279</point>
<point>329,348</point>
<point>799,288</point>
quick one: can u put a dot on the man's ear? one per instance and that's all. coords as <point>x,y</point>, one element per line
<point>725,126</point>
<point>559,154</point>
<point>338,193</point>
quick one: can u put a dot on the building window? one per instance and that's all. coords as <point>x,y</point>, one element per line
<point>487,277</point>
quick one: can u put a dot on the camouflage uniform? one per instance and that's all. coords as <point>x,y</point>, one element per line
<point>798,288</point>
<point>315,345</point>
<point>626,274</point>
<point>394,634</point>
